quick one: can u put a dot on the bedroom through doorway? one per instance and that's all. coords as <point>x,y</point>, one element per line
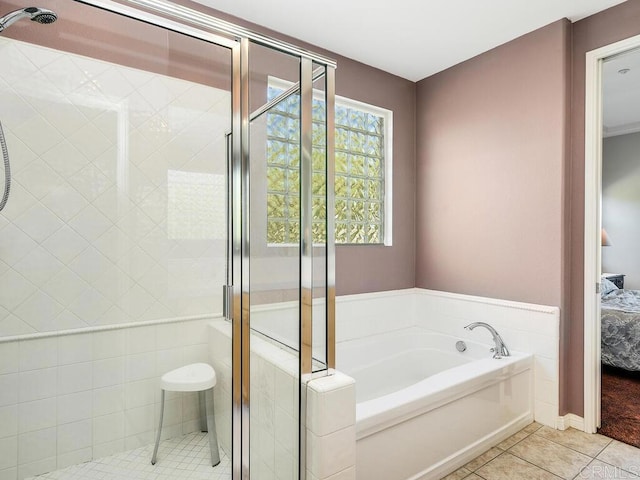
<point>620,257</point>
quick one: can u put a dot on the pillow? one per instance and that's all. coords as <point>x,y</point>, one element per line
<point>607,286</point>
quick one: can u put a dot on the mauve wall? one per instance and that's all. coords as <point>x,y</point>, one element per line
<point>490,152</point>
<point>609,26</point>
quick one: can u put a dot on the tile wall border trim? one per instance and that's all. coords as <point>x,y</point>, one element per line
<point>104,328</point>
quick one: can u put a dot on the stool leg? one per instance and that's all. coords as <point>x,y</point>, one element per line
<point>155,449</point>
<point>211,427</point>
<point>203,411</point>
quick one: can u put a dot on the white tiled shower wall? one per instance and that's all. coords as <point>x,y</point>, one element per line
<point>116,211</point>
<point>116,216</point>
<point>68,399</point>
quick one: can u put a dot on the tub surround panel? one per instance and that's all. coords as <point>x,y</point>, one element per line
<point>370,313</point>
<point>524,327</point>
<point>81,397</point>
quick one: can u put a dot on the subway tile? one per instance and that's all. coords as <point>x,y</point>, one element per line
<point>108,400</point>
<point>142,392</point>
<point>108,344</point>
<point>9,473</point>
<point>196,353</point>
<point>9,359</point>
<point>74,436</point>
<point>76,457</point>
<point>101,450</point>
<point>36,446</point>
<point>76,377</point>
<point>545,413</point>
<point>8,421</point>
<point>38,467</point>
<point>108,372</point>
<point>8,452</point>
<point>195,332</point>
<point>138,420</point>
<point>546,368</point>
<point>139,440</point>
<point>74,407</point>
<point>140,366</point>
<point>141,339</point>
<point>37,415</point>
<point>9,388</point>
<point>331,453</point>
<point>37,384</point>
<point>108,428</point>
<point>169,359</point>
<point>75,348</point>
<point>332,402</point>
<point>546,391</point>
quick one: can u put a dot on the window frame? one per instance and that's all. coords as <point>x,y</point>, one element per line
<point>387,116</point>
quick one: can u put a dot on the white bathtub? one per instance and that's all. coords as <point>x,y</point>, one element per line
<point>424,409</point>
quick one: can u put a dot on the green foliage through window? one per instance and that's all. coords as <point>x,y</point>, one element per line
<point>359,173</point>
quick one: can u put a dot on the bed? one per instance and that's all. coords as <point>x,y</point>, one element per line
<point>620,323</point>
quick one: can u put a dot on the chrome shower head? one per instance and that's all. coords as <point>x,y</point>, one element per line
<point>35,14</point>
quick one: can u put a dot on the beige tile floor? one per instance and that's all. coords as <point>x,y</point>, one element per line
<point>541,453</point>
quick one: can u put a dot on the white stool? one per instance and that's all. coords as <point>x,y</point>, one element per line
<point>197,377</point>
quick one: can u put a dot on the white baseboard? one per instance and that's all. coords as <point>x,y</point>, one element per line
<point>570,420</point>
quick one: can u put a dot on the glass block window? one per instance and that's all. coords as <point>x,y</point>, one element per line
<point>360,167</point>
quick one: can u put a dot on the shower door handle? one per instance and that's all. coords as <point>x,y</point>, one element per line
<point>227,301</point>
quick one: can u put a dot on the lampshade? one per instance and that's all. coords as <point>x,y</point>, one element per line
<point>605,238</point>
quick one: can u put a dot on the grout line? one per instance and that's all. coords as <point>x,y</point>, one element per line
<point>537,466</point>
<point>571,448</point>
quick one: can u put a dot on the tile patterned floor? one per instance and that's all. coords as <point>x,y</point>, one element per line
<point>182,458</point>
<point>534,453</point>
<point>542,453</point>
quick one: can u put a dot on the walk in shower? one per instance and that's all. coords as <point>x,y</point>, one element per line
<point>168,175</point>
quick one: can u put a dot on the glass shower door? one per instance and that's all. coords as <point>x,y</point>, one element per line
<point>274,259</point>
<point>281,257</point>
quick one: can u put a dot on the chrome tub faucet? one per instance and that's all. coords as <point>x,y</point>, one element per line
<point>500,350</point>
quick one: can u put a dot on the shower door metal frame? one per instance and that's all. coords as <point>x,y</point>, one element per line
<point>237,39</point>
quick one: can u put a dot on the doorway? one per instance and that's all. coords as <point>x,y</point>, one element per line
<point>595,240</point>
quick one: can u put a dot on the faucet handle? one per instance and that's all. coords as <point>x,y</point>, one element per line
<point>495,352</point>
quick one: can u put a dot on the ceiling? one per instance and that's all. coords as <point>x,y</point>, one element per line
<point>409,38</point>
<point>621,94</point>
